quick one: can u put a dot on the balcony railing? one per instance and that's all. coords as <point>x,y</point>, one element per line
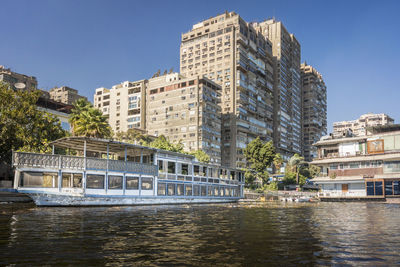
<point>34,160</point>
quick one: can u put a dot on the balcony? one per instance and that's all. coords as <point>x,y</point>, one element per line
<point>47,161</point>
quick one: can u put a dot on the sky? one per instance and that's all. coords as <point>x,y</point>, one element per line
<point>100,43</point>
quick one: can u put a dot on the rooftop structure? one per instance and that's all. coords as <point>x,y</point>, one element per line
<point>65,95</point>
<point>17,80</point>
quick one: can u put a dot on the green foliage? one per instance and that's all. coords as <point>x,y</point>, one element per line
<point>201,156</point>
<point>259,154</point>
<point>22,126</point>
<point>333,175</point>
<point>314,171</point>
<point>163,143</point>
<point>249,178</point>
<point>273,186</point>
<point>290,178</point>
<point>278,161</point>
<point>133,135</point>
<point>88,121</point>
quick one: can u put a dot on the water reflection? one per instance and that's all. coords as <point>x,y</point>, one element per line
<point>275,233</point>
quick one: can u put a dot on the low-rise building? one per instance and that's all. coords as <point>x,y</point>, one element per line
<point>65,94</point>
<point>358,127</point>
<point>361,166</point>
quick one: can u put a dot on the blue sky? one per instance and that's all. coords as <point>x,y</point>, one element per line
<point>90,44</point>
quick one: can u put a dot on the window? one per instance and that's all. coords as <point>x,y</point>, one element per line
<point>196,190</point>
<point>161,189</point>
<point>179,189</point>
<point>132,183</point>
<point>71,180</point>
<point>114,182</point>
<point>203,190</point>
<point>95,181</point>
<point>171,189</point>
<point>188,190</point>
<point>39,179</point>
<point>147,183</point>
<point>171,167</point>
<point>185,169</point>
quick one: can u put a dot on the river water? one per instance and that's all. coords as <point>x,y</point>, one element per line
<point>202,235</point>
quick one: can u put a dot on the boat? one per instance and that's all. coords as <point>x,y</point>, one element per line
<point>102,172</point>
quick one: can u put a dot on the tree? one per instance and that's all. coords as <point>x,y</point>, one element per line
<point>314,171</point>
<point>132,136</point>
<point>260,155</point>
<point>89,121</point>
<point>295,163</point>
<point>278,161</point>
<point>22,125</point>
<point>163,143</point>
<point>201,156</point>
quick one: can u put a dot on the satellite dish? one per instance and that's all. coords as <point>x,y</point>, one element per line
<point>20,85</point>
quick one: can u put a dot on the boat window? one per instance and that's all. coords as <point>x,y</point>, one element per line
<point>114,182</point>
<point>179,189</point>
<point>161,166</point>
<point>171,167</point>
<point>71,180</point>
<point>39,179</point>
<point>188,190</point>
<point>216,191</point>
<point>388,188</point>
<point>210,190</point>
<point>147,183</point>
<point>161,189</point>
<point>171,189</point>
<point>226,191</point>
<point>196,190</point>
<point>196,170</point>
<point>378,189</point>
<point>185,169</point>
<point>132,183</point>
<point>95,181</point>
<point>396,187</point>
<point>204,190</point>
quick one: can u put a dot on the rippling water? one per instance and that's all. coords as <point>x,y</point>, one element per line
<point>235,235</point>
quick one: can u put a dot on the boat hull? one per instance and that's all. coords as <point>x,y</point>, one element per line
<point>42,199</point>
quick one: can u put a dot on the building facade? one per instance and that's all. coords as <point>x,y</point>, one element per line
<point>362,166</point>
<point>358,127</point>
<point>185,110</point>
<point>287,84</point>
<point>234,54</point>
<point>21,81</point>
<point>314,109</point>
<point>65,95</point>
<point>124,105</point>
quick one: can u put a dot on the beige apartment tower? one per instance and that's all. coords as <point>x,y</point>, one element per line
<point>65,94</point>
<point>314,110</point>
<point>185,110</point>
<point>232,53</point>
<point>287,93</point>
<point>358,127</point>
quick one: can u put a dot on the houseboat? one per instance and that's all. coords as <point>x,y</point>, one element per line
<point>90,172</point>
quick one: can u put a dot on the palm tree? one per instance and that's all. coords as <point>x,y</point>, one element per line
<point>296,162</point>
<point>92,123</point>
<point>278,161</point>
<point>80,106</point>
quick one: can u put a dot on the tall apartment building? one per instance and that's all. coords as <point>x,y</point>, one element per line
<point>314,109</point>
<point>8,76</point>
<point>65,95</point>
<point>287,95</point>
<point>235,55</point>
<point>182,109</point>
<point>186,110</point>
<point>358,127</point>
<point>123,104</point>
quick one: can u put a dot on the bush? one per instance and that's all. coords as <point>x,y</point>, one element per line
<point>273,186</point>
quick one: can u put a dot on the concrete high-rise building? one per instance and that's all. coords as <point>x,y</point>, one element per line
<point>65,95</point>
<point>123,104</point>
<point>314,110</point>
<point>182,109</point>
<point>235,55</point>
<point>185,110</point>
<point>24,82</point>
<point>358,127</point>
<point>287,95</point>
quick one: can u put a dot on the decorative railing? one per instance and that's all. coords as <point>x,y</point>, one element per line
<point>34,160</point>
